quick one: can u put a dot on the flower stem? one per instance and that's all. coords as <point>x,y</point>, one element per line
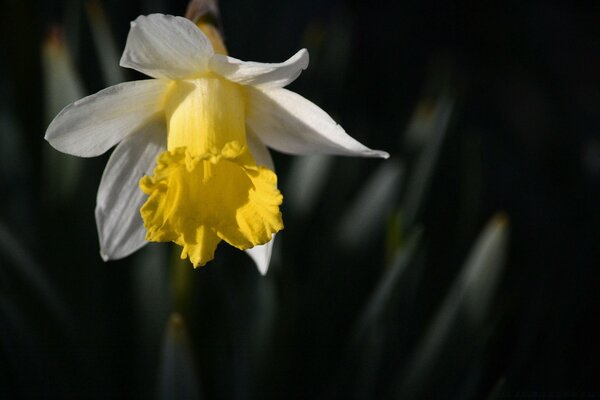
<point>205,14</point>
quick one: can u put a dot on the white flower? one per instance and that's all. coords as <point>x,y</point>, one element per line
<point>207,118</point>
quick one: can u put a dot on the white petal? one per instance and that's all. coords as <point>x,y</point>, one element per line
<point>259,151</point>
<point>94,124</point>
<point>164,46</point>
<point>261,255</point>
<point>120,227</point>
<point>260,74</point>
<point>291,124</point>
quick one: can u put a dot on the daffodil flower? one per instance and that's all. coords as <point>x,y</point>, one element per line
<point>196,136</point>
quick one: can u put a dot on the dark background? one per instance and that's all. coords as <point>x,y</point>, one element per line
<point>522,144</point>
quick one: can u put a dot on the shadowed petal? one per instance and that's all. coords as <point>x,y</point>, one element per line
<point>120,227</point>
<point>261,255</point>
<point>259,151</point>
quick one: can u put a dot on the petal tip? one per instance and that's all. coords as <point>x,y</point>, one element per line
<point>123,60</point>
<point>261,255</point>
<point>262,266</point>
<point>381,154</point>
<point>105,257</point>
<point>47,137</point>
<point>303,53</point>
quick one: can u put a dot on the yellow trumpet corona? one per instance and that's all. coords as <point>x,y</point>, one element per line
<point>207,186</point>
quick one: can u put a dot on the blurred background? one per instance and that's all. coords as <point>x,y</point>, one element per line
<point>464,267</point>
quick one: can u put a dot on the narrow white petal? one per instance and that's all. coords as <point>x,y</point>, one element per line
<point>120,227</point>
<point>260,74</point>
<point>259,151</point>
<point>291,124</point>
<point>94,124</point>
<point>261,255</point>
<point>164,46</point>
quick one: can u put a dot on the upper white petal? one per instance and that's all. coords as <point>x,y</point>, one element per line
<point>94,124</point>
<point>260,74</point>
<point>290,123</point>
<point>120,226</point>
<point>164,46</point>
<point>261,255</point>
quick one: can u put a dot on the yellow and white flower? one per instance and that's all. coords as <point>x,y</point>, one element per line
<point>196,135</point>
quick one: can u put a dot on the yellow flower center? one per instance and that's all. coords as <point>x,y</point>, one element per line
<point>206,186</point>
